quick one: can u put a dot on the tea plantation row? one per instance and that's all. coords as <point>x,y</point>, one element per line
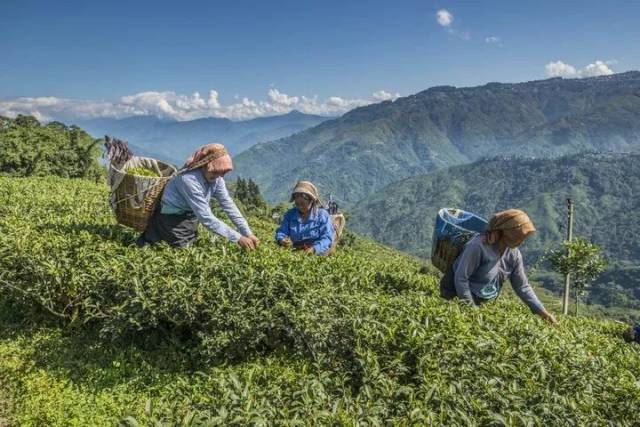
<point>95,331</point>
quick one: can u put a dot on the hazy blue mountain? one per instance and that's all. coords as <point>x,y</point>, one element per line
<point>367,148</point>
<point>604,187</point>
<point>173,140</point>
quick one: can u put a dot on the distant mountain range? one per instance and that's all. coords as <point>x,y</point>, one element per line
<point>604,187</point>
<point>173,140</point>
<point>356,155</point>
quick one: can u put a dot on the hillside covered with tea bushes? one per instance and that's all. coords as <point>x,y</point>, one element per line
<point>95,331</point>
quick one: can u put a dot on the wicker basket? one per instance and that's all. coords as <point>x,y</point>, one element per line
<point>135,197</point>
<point>338,222</point>
<point>453,229</point>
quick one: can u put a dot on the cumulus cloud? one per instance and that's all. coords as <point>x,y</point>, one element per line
<point>181,107</point>
<point>561,69</point>
<point>383,95</point>
<point>492,39</point>
<point>278,98</point>
<point>598,68</point>
<point>444,17</point>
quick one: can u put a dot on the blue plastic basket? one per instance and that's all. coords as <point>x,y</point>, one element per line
<point>453,228</point>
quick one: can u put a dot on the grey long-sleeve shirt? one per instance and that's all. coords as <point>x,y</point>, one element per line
<point>191,192</point>
<point>481,271</point>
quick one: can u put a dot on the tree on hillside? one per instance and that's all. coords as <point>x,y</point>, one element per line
<point>28,148</point>
<point>582,260</point>
<point>4,122</point>
<point>248,194</point>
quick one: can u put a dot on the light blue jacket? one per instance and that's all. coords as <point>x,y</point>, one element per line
<point>191,192</point>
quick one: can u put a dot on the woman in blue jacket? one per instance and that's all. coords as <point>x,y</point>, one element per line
<point>307,226</point>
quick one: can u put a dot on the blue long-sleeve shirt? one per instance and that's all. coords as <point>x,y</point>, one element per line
<point>191,192</point>
<point>317,228</point>
<point>480,270</point>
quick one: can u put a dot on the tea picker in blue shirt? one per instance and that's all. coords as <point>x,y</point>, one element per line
<point>307,226</point>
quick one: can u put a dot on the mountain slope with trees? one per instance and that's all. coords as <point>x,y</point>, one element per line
<point>604,187</point>
<point>370,147</point>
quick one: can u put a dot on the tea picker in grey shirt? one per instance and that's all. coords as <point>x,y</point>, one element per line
<point>492,257</point>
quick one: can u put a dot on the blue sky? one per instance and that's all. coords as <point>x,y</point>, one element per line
<point>104,51</point>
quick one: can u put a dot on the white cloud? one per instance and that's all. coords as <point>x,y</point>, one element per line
<point>492,39</point>
<point>598,68</point>
<point>444,17</point>
<point>278,98</point>
<point>561,69</point>
<point>171,105</point>
<point>213,102</point>
<point>383,95</point>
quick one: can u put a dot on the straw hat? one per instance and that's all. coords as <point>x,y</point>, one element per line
<point>306,187</point>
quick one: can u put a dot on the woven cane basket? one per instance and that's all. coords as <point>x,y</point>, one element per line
<point>136,197</point>
<point>453,228</point>
<point>338,222</point>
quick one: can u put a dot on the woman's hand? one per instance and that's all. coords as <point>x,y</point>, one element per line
<point>254,239</point>
<point>247,243</point>
<point>548,317</point>
<point>285,241</point>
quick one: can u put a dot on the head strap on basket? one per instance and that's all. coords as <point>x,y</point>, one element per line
<point>214,154</point>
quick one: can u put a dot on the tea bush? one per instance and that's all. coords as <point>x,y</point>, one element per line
<point>217,336</point>
<point>142,172</point>
<point>29,148</point>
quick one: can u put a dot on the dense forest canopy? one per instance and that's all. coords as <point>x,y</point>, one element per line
<point>29,148</point>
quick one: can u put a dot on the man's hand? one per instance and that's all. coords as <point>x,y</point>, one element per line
<point>309,250</point>
<point>286,242</point>
<point>548,317</point>
<point>246,243</point>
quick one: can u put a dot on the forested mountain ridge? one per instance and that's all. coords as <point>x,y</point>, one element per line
<point>605,189</point>
<point>370,147</point>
